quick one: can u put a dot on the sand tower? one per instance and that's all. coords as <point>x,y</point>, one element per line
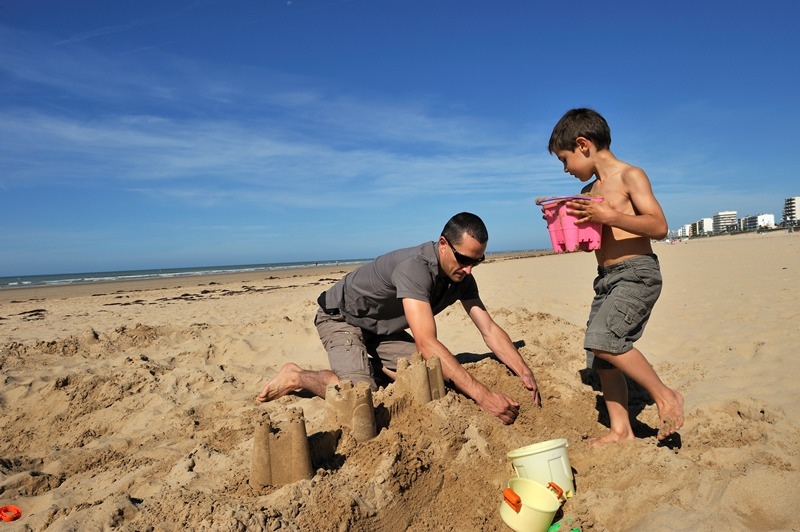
<point>280,451</point>
<point>420,379</point>
<point>350,406</point>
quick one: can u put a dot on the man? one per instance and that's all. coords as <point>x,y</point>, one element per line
<point>362,320</point>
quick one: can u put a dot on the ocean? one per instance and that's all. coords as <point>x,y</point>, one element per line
<point>131,275</point>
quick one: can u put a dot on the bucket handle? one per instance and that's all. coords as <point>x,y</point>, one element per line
<point>558,490</point>
<point>512,499</point>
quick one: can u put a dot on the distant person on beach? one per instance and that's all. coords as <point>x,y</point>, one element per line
<point>629,279</point>
<point>362,320</point>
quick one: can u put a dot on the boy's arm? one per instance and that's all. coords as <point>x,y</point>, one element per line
<point>647,218</point>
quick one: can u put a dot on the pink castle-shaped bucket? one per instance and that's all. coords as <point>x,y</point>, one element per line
<point>565,235</point>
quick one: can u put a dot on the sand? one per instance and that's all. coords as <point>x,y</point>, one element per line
<point>129,406</point>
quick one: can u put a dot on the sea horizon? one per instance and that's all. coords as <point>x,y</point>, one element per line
<point>60,279</point>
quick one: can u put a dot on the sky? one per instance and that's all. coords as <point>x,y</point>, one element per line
<point>161,134</point>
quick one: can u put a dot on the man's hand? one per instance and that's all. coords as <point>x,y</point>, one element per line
<point>499,405</point>
<point>530,384</point>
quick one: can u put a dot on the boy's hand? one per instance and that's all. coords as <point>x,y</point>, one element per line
<point>591,211</point>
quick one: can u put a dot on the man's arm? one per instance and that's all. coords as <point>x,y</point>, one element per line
<point>423,328</point>
<point>498,341</point>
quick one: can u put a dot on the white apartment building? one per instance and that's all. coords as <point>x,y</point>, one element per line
<point>756,222</point>
<point>702,227</point>
<point>791,210</point>
<point>725,222</point>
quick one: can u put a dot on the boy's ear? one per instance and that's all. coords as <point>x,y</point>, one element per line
<point>583,144</point>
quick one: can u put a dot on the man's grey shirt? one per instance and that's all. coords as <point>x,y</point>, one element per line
<point>371,297</point>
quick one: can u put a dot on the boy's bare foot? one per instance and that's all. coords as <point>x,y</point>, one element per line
<point>287,380</point>
<point>611,437</point>
<point>671,415</point>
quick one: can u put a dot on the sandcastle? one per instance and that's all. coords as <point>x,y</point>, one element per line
<point>281,454</point>
<point>280,451</point>
<point>420,379</point>
<point>350,406</point>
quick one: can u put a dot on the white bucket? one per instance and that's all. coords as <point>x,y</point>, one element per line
<point>528,506</point>
<point>545,462</point>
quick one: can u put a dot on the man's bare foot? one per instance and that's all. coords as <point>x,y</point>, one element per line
<point>671,415</point>
<point>287,380</point>
<point>611,437</point>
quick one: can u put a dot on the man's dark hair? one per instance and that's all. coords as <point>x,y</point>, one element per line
<point>575,123</point>
<point>465,222</point>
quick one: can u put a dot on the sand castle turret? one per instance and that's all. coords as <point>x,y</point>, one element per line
<point>421,379</point>
<point>350,406</point>
<point>280,451</point>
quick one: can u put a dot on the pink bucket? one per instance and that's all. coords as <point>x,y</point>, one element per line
<point>565,234</point>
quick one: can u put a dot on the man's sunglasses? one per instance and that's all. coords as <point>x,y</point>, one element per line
<point>463,260</point>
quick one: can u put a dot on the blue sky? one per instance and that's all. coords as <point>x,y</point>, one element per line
<point>155,134</point>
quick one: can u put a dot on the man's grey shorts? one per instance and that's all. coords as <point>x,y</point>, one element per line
<point>625,294</point>
<point>354,354</point>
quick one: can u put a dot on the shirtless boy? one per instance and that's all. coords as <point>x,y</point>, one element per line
<point>629,280</point>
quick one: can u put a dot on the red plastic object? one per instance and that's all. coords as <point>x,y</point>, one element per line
<point>559,491</point>
<point>512,499</point>
<point>10,513</point>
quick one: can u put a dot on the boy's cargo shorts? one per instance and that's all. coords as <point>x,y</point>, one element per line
<point>355,354</point>
<point>625,294</point>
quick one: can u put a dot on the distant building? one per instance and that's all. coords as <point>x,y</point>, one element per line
<point>725,222</point>
<point>684,232</point>
<point>791,210</point>
<point>757,222</point>
<point>702,227</point>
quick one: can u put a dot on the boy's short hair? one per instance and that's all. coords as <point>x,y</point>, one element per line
<point>581,122</point>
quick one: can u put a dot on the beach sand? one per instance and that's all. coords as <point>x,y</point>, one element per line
<point>131,405</point>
